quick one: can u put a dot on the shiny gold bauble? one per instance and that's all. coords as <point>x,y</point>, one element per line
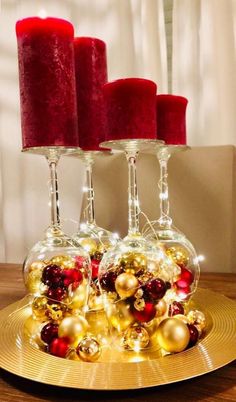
<point>173,335</point>
<point>73,328</point>
<point>133,262</point>
<point>136,338</point>
<point>63,261</point>
<point>119,315</point>
<point>37,265</point>
<point>33,281</point>
<point>197,317</point>
<point>126,285</point>
<point>152,326</point>
<point>161,308</point>
<point>182,318</point>
<point>39,307</point>
<point>178,254</point>
<point>88,349</point>
<point>56,311</point>
<point>89,245</point>
<point>78,297</point>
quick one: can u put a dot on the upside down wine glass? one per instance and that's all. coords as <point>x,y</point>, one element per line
<point>171,120</point>
<point>130,274</point>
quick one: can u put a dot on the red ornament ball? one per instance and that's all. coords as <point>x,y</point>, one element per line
<point>56,293</point>
<point>72,276</point>
<point>95,266</point>
<point>79,261</point>
<point>183,293</point>
<point>51,275</point>
<point>59,347</point>
<point>107,281</point>
<point>49,332</point>
<point>175,308</point>
<point>147,314</point>
<point>186,278</point>
<point>194,335</point>
<point>155,289</point>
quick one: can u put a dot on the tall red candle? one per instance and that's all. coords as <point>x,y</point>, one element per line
<point>91,75</point>
<point>131,109</point>
<point>171,119</point>
<point>47,82</point>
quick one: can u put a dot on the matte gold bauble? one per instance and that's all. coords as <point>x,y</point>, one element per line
<point>39,307</point>
<point>119,315</point>
<point>37,265</point>
<point>33,281</point>
<point>56,311</point>
<point>126,285</point>
<point>133,262</point>
<point>161,308</point>
<point>88,349</point>
<point>89,245</point>
<point>136,338</point>
<point>197,317</point>
<point>73,328</point>
<point>179,255</point>
<point>63,261</point>
<point>78,297</point>
<point>173,335</point>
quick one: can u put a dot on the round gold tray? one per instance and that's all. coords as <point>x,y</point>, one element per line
<point>215,350</point>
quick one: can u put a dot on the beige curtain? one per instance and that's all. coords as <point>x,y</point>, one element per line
<point>135,35</point>
<point>204,68</point>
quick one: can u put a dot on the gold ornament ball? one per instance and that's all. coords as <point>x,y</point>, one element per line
<point>33,281</point>
<point>173,335</point>
<point>63,261</point>
<point>136,338</point>
<point>73,328</point>
<point>78,297</point>
<point>37,265</point>
<point>88,349</point>
<point>178,254</point>
<point>133,262</point>
<point>39,307</point>
<point>89,245</point>
<point>103,247</point>
<point>182,318</point>
<point>197,317</point>
<point>56,311</point>
<point>119,315</point>
<point>126,285</point>
<point>161,308</point>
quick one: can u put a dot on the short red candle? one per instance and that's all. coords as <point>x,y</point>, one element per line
<point>171,119</point>
<point>91,75</point>
<point>131,109</point>
<point>47,82</point>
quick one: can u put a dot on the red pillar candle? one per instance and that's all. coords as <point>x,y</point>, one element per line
<point>131,109</point>
<point>91,75</point>
<point>171,119</point>
<point>47,82</point>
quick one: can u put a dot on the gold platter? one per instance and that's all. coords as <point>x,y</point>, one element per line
<point>215,350</point>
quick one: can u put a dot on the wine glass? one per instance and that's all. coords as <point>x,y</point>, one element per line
<point>94,239</point>
<point>57,270</point>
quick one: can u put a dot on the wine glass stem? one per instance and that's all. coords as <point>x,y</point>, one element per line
<point>90,214</point>
<point>133,202</point>
<point>164,220</point>
<point>54,195</point>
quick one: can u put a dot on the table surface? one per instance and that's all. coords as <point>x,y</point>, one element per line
<point>219,385</point>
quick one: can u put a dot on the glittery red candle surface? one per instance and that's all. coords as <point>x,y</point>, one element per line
<point>171,119</point>
<point>91,75</point>
<point>47,82</point>
<point>131,109</point>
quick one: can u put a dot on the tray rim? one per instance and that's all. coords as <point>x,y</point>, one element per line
<point>213,300</point>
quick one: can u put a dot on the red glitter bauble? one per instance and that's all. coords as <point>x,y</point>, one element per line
<point>155,289</point>
<point>194,335</point>
<point>56,293</point>
<point>71,276</point>
<point>107,281</point>
<point>175,308</point>
<point>49,332</point>
<point>186,278</point>
<point>59,347</point>
<point>95,266</point>
<point>51,275</point>
<point>145,315</point>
